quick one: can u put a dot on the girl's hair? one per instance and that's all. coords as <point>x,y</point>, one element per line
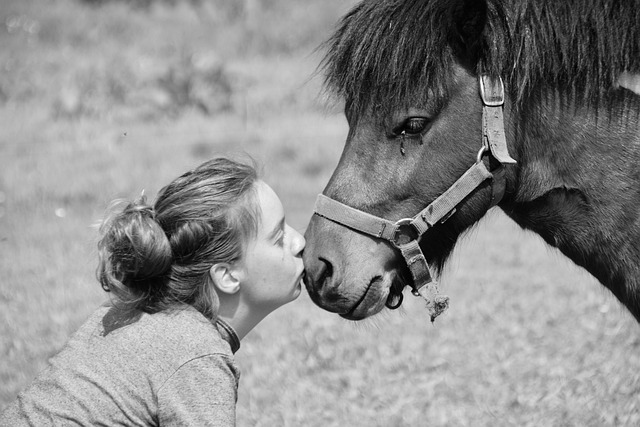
<point>158,257</point>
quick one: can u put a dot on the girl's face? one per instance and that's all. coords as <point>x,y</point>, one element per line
<point>272,264</point>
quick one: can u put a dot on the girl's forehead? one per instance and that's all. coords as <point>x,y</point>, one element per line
<point>271,209</point>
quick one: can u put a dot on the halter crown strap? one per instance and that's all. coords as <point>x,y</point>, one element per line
<point>493,134</point>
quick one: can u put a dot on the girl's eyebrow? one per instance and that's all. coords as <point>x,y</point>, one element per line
<point>279,227</point>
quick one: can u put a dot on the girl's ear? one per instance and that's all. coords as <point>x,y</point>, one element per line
<point>225,278</point>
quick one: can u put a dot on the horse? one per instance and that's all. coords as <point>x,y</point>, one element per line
<point>455,107</point>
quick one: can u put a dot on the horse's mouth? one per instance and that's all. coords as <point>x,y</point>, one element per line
<point>368,303</point>
<point>382,291</point>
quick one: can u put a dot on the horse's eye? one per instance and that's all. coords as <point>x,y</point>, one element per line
<point>412,126</point>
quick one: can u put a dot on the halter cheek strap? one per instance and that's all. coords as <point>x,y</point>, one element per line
<point>405,233</point>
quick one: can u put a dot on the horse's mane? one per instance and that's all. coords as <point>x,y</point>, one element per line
<point>385,51</point>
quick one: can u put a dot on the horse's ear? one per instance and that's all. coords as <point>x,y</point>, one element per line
<point>469,18</point>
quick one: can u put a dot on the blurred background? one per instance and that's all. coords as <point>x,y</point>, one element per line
<point>102,99</point>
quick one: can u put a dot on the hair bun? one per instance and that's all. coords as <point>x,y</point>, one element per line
<point>134,252</point>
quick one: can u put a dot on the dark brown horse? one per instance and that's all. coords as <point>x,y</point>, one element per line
<point>408,72</point>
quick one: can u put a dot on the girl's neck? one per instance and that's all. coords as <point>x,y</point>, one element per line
<point>239,316</point>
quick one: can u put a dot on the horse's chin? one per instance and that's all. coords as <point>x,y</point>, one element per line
<point>386,290</point>
<point>375,296</point>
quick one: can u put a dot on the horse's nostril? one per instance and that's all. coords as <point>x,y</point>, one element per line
<point>325,273</point>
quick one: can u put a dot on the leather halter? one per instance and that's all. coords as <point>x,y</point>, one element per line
<point>405,233</point>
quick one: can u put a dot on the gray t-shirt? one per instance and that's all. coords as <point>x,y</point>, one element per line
<point>166,369</point>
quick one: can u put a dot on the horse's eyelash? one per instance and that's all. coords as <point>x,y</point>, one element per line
<point>401,131</point>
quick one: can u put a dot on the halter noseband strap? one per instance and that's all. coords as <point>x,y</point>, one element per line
<point>405,233</point>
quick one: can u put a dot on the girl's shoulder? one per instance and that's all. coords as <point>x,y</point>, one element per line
<point>131,356</point>
<point>183,329</point>
<point>165,340</point>
<point>159,343</point>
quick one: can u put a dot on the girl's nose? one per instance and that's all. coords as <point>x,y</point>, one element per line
<point>298,243</point>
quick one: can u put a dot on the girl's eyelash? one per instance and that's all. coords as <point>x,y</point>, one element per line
<point>280,240</point>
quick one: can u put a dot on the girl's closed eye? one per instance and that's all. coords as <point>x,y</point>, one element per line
<point>277,234</point>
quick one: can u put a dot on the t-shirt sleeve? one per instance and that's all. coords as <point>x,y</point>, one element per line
<point>202,392</point>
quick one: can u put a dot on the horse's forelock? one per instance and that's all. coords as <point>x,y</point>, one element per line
<point>385,52</point>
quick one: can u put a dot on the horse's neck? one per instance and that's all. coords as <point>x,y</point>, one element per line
<point>577,184</point>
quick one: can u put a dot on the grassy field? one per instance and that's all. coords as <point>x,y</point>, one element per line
<point>98,103</point>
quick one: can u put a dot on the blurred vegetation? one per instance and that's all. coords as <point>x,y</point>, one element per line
<point>148,3</point>
<point>144,59</point>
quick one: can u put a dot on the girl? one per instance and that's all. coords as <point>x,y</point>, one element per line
<point>190,276</point>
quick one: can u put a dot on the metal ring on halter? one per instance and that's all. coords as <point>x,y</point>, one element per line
<point>404,225</point>
<point>397,304</point>
<point>481,153</point>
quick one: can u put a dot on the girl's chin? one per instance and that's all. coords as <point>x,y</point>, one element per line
<point>297,290</point>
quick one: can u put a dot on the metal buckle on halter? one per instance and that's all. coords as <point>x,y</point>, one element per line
<point>494,96</point>
<point>404,228</point>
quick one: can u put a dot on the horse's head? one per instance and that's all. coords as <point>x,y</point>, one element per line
<point>407,73</point>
